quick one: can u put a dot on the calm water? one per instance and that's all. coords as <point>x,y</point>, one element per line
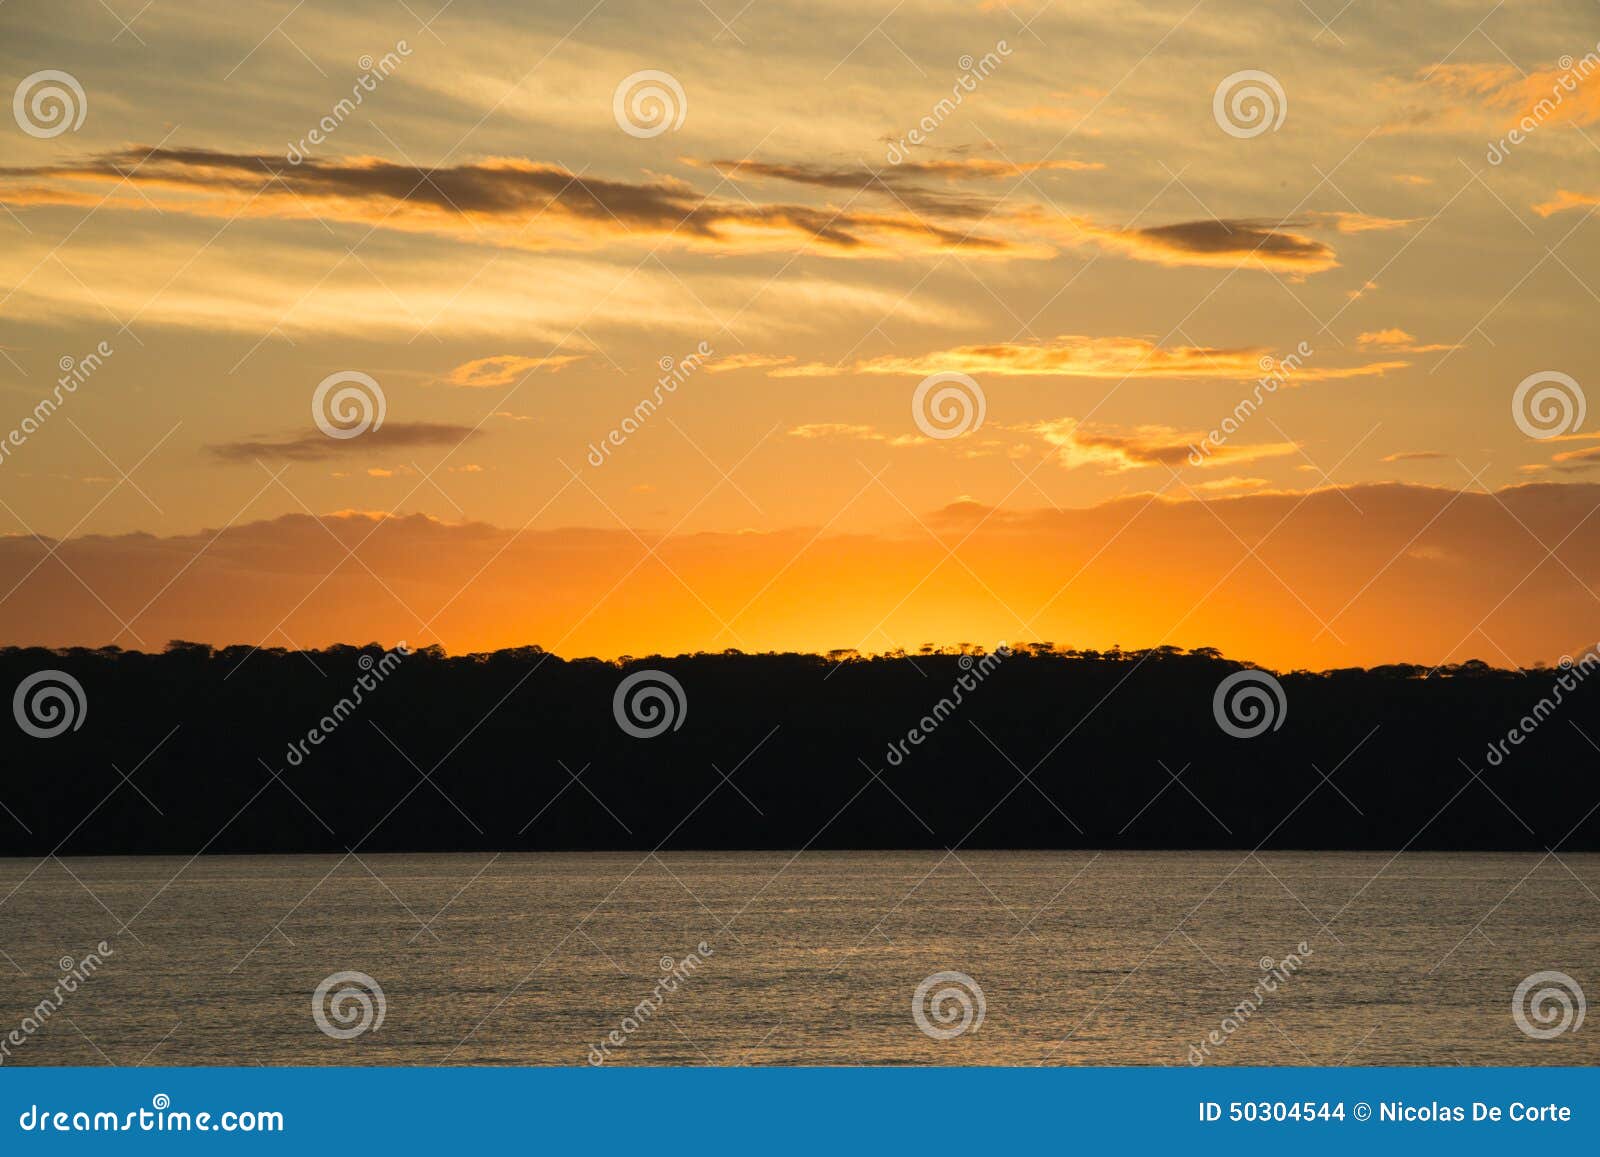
<point>1124,958</point>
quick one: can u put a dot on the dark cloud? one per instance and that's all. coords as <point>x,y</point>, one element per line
<point>549,202</point>
<point>1414,456</point>
<point>899,182</point>
<point>314,445</point>
<point>1236,237</point>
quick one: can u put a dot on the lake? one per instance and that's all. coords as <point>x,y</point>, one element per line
<point>1081,958</point>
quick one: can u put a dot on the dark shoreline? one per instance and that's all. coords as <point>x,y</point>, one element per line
<point>201,751</point>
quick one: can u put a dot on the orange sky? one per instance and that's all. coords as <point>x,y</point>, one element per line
<point>950,324</point>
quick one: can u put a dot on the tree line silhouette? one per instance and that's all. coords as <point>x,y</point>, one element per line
<point>192,750</point>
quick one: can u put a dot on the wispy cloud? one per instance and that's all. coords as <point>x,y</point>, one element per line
<point>1399,341</point>
<point>504,369</point>
<point>314,445</point>
<point>1118,448</point>
<point>1074,355</point>
<point>501,201</point>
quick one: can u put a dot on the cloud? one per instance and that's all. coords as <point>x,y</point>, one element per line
<point>1398,340</point>
<point>899,182</point>
<point>1586,456</point>
<point>1566,199</point>
<point>315,445</point>
<point>1571,461</point>
<point>1092,444</point>
<point>1233,484</point>
<point>1347,222</point>
<point>504,369</point>
<point>1144,570</point>
<point>860,177</point>
<point>1074,355</point>
<point>504,201</point>
<point>1077,444</point>
<point>820,430</point>
<point>1223,244</point>
<point>1545,96</point>
<point>748,362</point>
<point>1229,243</point>
<point>520,203</point>
<point>1413,456</point>
<point>1209,243</point>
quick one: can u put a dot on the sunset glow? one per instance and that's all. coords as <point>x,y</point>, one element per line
<point>1292,369</point>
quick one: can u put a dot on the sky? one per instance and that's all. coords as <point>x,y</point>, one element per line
<point>623,328</point>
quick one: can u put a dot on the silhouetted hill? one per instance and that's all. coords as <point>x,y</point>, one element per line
<point>781,751</point>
